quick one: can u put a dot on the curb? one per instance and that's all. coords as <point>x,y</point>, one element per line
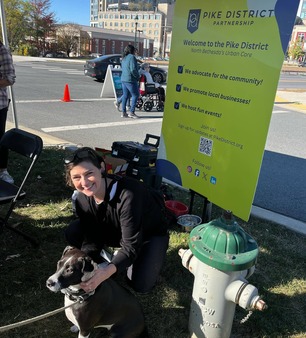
<point>292,103</point>
<point>287,222</point>
<point>48,140</point>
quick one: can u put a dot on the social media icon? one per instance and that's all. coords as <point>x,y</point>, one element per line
<point>178,87</point>
<point>197,173</point>
<point>180,69</point>
<point>213,180</point>
<point>176,105</point>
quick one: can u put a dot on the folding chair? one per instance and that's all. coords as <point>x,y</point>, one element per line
<point>27,145</point>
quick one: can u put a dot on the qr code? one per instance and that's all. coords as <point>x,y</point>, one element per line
<point>205,146</point>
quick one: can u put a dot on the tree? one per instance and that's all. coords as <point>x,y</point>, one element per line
<point>68,37</point>
<point>41,24</point>
<point>16,13</point>
<point>296,50</point>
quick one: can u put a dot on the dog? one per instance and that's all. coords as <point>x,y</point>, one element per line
<point>110,305</point>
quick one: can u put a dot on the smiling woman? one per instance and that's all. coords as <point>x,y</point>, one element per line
<point>117,212</point>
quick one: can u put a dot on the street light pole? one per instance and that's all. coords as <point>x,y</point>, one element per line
<point>164,40</point>
<point>138,42</point>
<point>136,24</point>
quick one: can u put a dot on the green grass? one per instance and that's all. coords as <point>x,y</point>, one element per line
<point>280,274</point>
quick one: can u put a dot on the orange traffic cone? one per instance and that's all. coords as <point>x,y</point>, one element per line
<point>66,97</point>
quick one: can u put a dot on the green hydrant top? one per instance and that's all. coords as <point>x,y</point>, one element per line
<point>223,244</point>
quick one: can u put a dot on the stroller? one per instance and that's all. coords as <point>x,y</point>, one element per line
<point>150,97</point>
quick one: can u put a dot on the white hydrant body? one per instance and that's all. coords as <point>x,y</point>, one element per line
<point>218,284</point>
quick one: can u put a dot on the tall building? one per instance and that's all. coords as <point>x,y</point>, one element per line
<point>303,10</point>
<point>155,24</point>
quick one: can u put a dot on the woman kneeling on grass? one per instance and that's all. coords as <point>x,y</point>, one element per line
<point>116,212</point>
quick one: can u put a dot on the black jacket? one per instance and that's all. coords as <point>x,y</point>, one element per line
<point>132,214</point>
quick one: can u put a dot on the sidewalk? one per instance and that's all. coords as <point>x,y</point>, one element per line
<point>296,99</point>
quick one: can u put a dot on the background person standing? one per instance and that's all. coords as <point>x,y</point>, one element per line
<point>129,80</point>
<point>7,78</point>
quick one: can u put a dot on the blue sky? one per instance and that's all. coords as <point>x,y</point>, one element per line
<point>76,11</point>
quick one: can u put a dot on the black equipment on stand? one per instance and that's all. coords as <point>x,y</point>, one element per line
<point>141,159</point>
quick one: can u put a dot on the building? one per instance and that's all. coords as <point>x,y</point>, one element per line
<point>153,24</point>
<point>78,40</point>
<point>298,37</point>
<point>303,10</point>
<point>107,41</point>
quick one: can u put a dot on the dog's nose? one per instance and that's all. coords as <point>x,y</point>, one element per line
<point>50,283</point>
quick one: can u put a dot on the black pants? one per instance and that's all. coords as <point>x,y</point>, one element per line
<point>144,272</point>
<point>3,152</point>
<point>161,93</point>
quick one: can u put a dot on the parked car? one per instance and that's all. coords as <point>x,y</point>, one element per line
<point>95,55</point>
<point>55,55</point>
<point>96,68</point>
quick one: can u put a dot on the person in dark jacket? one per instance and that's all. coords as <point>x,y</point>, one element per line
<point>129,80</point>
<point>117,212</point>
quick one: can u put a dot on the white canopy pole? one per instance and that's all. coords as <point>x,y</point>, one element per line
<point>5,42</point>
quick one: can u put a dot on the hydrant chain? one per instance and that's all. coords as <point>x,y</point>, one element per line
<point>243,320</point>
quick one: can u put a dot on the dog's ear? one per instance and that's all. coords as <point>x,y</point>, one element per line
<point>88,264</point>
<point>68,248</point>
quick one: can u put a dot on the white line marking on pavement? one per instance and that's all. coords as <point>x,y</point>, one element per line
<point>46,67</point>
<point>54,68</point>
<point>66,70</point>
<point>36,101</point>
<point>280,112</point>
<point>100,125</point>
<point>57,100</point>
<point>58,69</point>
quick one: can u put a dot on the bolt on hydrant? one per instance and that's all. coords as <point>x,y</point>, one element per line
<point>221,256</point>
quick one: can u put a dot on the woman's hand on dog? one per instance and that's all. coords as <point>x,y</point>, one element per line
<point>100,275</point>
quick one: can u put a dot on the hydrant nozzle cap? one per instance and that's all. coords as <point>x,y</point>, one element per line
<point>223,244</point>
<point>261,305</point>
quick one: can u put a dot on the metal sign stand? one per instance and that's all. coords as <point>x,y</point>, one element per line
<point>207,206</point>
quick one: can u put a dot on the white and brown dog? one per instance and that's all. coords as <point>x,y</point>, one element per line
<point>110,305</point>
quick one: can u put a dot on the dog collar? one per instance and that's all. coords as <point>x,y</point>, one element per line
<point>79,295</point>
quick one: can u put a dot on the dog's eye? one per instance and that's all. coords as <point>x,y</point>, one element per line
<point>68,269</point>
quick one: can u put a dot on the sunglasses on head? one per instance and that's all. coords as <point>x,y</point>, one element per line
<point>81,155</point>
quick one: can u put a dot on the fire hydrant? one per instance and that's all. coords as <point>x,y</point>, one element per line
<point>221,256</point>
